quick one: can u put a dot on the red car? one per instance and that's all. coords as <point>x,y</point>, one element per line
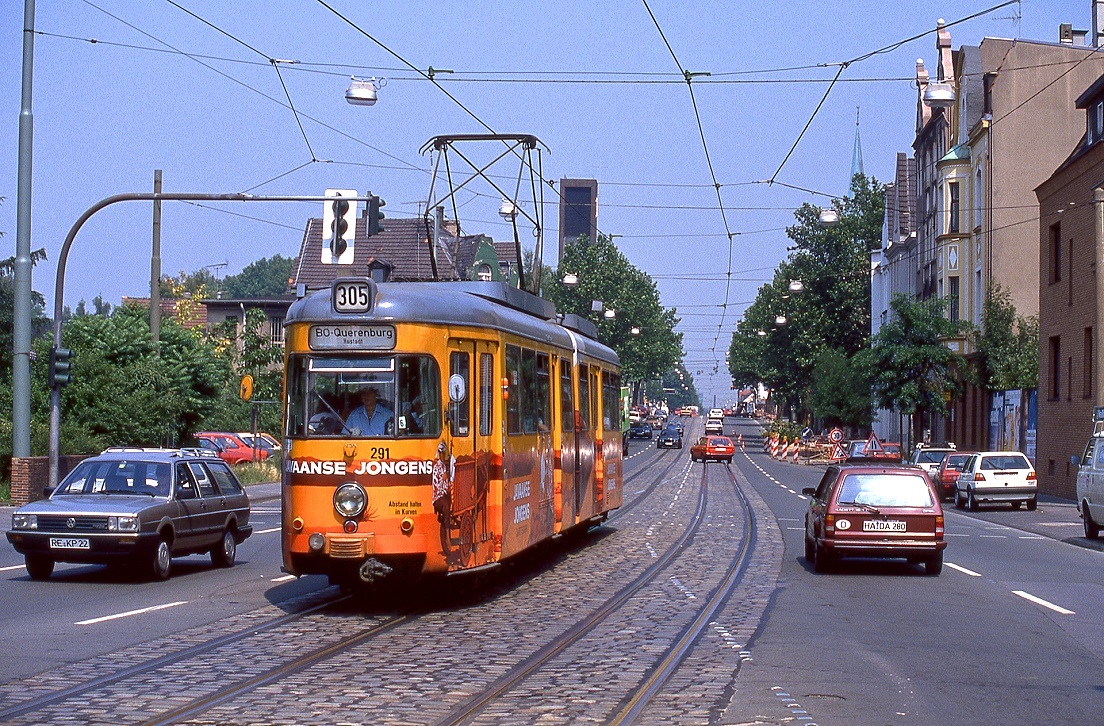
<point>946,476</point>
<point>230,447</point>
<point>717,448</point>
<point>874,511</point>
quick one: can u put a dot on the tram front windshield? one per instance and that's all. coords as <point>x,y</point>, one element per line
<point>370,396</point>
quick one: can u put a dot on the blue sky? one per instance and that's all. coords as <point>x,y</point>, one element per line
<point>107,114</point>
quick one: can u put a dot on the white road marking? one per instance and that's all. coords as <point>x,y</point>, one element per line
<point>127,614</point>
<point>1031,536</point>
<point>994,536</point>
<point>955,534</point>
<point>1039,601</point>
<point>267,531</point>
<point>1058,524</point>
<point>285,578</point>
<point>12,567</point>
<point>962,569</point>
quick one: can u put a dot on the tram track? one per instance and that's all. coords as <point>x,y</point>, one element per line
<point>198,652</point>
<point>634,703</point>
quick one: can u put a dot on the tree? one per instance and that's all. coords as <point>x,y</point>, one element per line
<point>840,393</point>
<point>1008,344</point>
<point>254,354</point>
<point>267,277</point>
<point>40,324</point>
<point>911,367</point>
<point>606,274</point>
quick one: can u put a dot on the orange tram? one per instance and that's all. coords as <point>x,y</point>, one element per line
<point>441,427</point>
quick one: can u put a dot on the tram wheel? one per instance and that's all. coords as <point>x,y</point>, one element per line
<point>467,538</point>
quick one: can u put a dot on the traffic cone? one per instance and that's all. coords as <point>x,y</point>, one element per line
<point>740,441</point>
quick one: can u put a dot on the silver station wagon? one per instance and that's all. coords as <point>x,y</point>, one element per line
<point>136,507</point>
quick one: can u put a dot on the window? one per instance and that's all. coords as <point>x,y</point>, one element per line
<point>955,202</point>
<point>611,399</point>
<point>1098,121</point>
<point>459,411</point>
<point>513,389</point>
<point>486,394</point>
<point>540,413</point>
<point>206,486</point>
<point>979,199</point>
<point>567,411</point>
<point>1055,252</point>
<point>1069,276</point>
<point>1088,363</point>
<point>276,325</point>
<point>529,406</point>
<point>952,295</point>
<point>1069,378</point>
<point>584,396</point>
<point>1055,361</point>
<point>227,484</point>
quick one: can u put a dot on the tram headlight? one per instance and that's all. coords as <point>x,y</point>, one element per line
<point>350,500</point>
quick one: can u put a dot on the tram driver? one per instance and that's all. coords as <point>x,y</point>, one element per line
<point>371,418</point>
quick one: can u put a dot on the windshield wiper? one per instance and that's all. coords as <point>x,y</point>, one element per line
<point>862,505</point>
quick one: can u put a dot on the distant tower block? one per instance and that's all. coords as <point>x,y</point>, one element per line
<point>578,210</point>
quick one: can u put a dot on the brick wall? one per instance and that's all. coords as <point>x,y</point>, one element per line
<point>1067,307</point>
<point>30,475</point>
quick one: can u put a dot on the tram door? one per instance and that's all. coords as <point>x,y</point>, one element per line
<point>470,424</point>
<point>584,444</point>
<point>566,506</point>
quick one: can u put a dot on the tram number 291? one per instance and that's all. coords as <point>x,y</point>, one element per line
<point>352,295</point>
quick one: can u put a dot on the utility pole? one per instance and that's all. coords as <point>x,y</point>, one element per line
<point>155,265</point>
<point>21,309</point>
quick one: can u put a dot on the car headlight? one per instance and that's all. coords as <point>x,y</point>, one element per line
<point>24,521</point>
<point>122,524</point>
<point>350,500</point>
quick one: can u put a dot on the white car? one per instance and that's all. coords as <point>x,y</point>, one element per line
<point>929,458</point>
<point>714,426</point>
<point>1090,486</point>
<point>997,476</point>
<point>717,413</point>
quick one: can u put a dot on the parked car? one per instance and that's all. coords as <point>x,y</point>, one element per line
<point>264,441</point>
<point>136,507</point>
<point>671,438</point>
<point>859,451</point>
<point>714,426</point>
<point>929,458</point>
<point>874,511</point>
<point>717,448</point>
<point>229,447</point>
<point>946,476</point>
<point>1090,483</point>
<point>997,476</point>
<point>640,430</point>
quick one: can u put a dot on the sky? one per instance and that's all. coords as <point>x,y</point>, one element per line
<point>190,87</point>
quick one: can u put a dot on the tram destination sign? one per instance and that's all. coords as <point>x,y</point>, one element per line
<point>352,336</point>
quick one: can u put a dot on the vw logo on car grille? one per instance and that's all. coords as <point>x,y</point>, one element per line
<point>71,522</point>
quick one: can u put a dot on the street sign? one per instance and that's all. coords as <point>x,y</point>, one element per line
<point>338,227</point>
<point>873,445</point>
<point>806,432</point>
<point>835,436</point>
<point>838,454</point>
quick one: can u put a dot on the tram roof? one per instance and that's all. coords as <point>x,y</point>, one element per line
<point>493,305</point>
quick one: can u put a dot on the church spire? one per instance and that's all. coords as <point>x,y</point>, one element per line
<point>856,157</point>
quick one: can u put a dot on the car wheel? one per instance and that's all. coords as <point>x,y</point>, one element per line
<point>821,561</point>
<point>810,549</point>
<point>224,554</point>
<point>38,566</point>
<point>1092,529</point>
<point>1032,504</point>
<point>161,562</point>
<point>728,460</point>
<point>934,565</point>
<point>1016,505</point>
<point>958,500</point>
<point>971,503</point>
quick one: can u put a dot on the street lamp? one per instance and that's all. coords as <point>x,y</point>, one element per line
<point>636,331</point>
<point>508,210</point>
<point>570,279</point>
<point>796,285</point>
<point>610,314</point>
<point>363,92</point>
<point>780,320</point>
<point>829,217</point>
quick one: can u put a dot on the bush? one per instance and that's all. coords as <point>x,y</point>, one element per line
<point>257,472</point>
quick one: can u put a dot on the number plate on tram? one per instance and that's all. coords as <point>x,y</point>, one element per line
<point>69,543</point>
<point>878,525</point>
<point>352,295</point>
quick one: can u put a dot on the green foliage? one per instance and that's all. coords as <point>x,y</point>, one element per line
<point>267,277</point>
<point>785,429</point>
<point>912,368</point>
<point>606,274</point>
<point>254,354</point>
<point>1008,343</point>
<point>840,393</point>
<point>195,285</point>
<point>676,387</point>
<point>257,472</point>
<point>833,309</point>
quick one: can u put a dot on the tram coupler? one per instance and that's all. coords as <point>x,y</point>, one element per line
<point>373,570</point>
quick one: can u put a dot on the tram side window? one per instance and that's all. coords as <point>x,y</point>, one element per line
<point>460,411</point>
<point>584,396</point>
<point>486,394</point>
<point>536,388</point>
<point>595,392</point>
<point>418,403</point>
<point>611,411</point>
<point>567,411</point>
<point>513,389</point>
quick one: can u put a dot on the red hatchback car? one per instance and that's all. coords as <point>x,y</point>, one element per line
<point>946,476</point>
<point>229,447</point>
<point>874,511</point>
<point>717,448</point>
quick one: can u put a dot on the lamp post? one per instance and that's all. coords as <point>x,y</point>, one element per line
<point>364,91</point>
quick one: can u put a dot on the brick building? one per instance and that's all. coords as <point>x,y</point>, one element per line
<point>1069,368</point>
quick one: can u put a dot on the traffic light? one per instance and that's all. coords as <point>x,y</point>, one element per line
<point>60,366</point>
<point>374,215</point>
<point>338,227</point>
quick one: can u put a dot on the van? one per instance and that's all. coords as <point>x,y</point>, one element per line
<point>1090,478</point>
